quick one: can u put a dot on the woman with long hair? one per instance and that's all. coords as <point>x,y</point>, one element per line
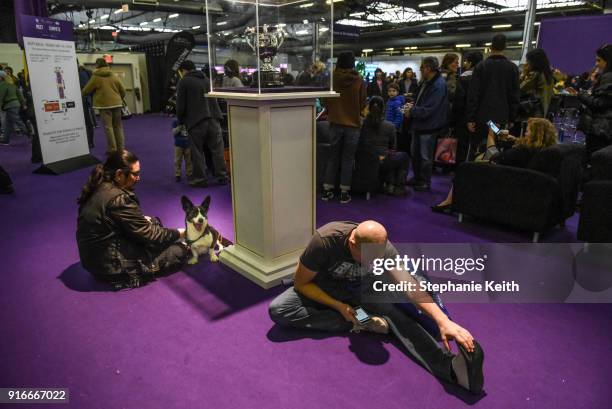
<point>408,83</point>
<point>536,85</point>
<point>117,242</point>
<point>596,121</point>
<point>539,134</point>
<point>379,136</point>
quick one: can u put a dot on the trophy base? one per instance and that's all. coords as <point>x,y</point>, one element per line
<point>269,79</point>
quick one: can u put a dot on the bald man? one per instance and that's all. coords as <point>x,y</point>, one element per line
<point>327,287</point>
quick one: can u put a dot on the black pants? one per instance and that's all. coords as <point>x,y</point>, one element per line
<point>206,133</point>
<point>294,310</point>
<point>154,263</point>
<point>394,168</point>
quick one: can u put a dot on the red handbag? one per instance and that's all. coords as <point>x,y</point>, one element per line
<point>446,151</point>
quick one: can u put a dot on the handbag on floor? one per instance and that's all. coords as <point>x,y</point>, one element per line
<point>446,151</point>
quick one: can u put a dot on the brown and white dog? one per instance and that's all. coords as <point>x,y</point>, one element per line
<point>199,235</point>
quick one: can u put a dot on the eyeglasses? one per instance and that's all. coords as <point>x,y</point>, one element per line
<point>135,174</point>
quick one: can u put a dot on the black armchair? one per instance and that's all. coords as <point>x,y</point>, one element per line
<point>533,199</point>
<point>595,223</point>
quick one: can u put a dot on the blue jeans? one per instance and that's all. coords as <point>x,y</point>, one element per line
<point>343,140</point>
<point>11,119</point>
<point>422,152</point>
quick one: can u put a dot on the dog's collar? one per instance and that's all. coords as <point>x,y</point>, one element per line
<point>190,242</point>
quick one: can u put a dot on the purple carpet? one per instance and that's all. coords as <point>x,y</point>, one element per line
<point>202,338</point>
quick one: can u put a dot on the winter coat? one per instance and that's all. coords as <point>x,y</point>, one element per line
<point>535,84</point>
<point>430,112</point>
<point>108,92</point>
<point>393,112</point>
<point>346,110</point>
<point>494,91</point>
<point>596,120</point>
<point>192,105</point>
<point>112,233</point>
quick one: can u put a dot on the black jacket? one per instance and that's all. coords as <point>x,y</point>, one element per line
<point>377,140</point>
<point>413,88</point>
<point>596,119</point>
<point>192,105</point>
<point>112,233</point>
<point>373,89</point>
<point>494,91</point>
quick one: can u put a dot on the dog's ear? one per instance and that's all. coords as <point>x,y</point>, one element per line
<point>205,204</point>
<point>186,203</point>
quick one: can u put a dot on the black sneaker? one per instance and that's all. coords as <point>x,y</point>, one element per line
<point>345,197</point>
<point>467,367</point>
<point>327,195</point>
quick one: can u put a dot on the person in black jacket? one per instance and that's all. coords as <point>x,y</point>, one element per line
<point>596,120</point>
<point>117,243</point>
<point>378,135</point>
<point>408,84</point>
<point>466,141</point>
<point>201,116</point>
<point>494,91</point>
<point>378,86</point>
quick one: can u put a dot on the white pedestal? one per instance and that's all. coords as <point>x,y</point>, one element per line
<point>272,145</point>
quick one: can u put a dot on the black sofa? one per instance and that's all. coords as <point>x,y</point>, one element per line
<point>595,225</point>
<point>533,199</point>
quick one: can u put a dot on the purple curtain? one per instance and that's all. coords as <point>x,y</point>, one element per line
<point>30,8</point>
<point>570,42</point>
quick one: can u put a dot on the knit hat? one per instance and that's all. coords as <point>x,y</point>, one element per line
<point>346,60</point>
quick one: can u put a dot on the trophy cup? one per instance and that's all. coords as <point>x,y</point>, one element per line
<point>269,41</point>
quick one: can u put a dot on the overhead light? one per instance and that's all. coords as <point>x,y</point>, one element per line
<point>306,5</point>
<point>173,15</point>
<point>92,21</point>
<point>435,31</point>
<point>107,28</point>
<point>195,27</point>
<point>414,47</point>
<point>144,23</point>
<point>118,11</point>
<point>301,32</point>
<point>488,44</point>
<point>157,20</point>
<point>222,23</point>
<point>361,13</point>
<point>537,23</point>
<point>390,49</point>
<point>466,28</point>
<point>278,25</point>
<point>81,25</point>
<point>433,22</point>
<point>323,29</point>
<point>367,50</point>
<point>430,4</point>
<point>534,42</point>
<point>335,1</point>
<point>496,26</point>
<point>520,43</point>
<point>104,17</point>
<point>463,45</point>
<point>305,21</point>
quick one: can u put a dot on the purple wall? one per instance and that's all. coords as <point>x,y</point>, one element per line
<point>570,42</point>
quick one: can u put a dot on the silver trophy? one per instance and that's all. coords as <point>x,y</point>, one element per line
<point>270,40</point>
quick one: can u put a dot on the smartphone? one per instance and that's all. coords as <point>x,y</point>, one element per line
<point>361,316</point>
<point>493,127</point>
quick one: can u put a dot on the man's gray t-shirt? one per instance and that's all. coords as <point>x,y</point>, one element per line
<point>329,256</point>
